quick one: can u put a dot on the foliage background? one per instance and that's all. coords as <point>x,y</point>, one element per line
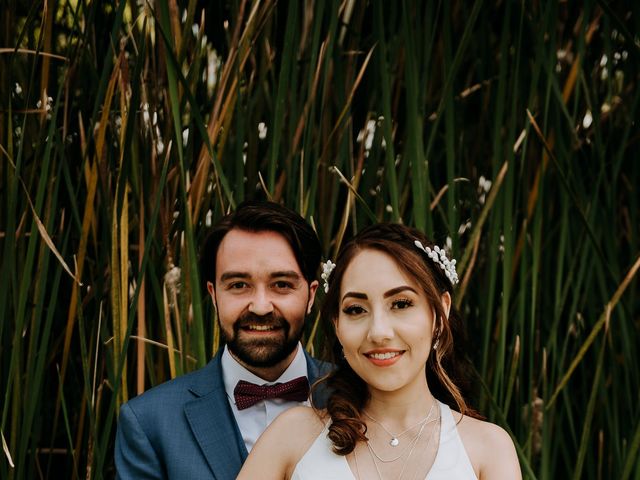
<point>505,129</point>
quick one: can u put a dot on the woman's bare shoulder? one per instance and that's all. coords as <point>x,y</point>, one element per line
<point>283,443</point>
<point>481,441</point>
<point>301,420</point>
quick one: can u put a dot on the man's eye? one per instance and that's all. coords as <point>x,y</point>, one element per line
<point>353,310</point>
<point>402,303</point>
<point>237,285</point>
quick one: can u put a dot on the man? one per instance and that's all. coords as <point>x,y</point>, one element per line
<point>259,264</point>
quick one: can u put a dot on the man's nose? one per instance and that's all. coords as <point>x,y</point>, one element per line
<point>260,303</point>
<point>380,329</point>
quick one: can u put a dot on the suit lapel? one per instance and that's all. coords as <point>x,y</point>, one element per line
<point>213,424</point>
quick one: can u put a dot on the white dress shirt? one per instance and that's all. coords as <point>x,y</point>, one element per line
<point>254,420</point>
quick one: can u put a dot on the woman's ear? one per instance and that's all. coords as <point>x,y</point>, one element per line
<point>445,299</point>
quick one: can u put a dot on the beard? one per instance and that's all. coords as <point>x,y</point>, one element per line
<point>262,352</point>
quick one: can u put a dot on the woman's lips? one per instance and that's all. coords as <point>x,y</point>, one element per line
<point>384,358</point>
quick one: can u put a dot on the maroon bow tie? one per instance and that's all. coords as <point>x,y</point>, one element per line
<point>248,394</point>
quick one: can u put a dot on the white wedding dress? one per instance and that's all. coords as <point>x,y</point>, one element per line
<point>451,462</point>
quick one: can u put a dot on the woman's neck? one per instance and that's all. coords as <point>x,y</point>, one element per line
<point>400,408</point>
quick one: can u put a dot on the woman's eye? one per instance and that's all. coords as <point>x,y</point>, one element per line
<point>402,303</point>
<point>353,310</point>
<point>283,285</point>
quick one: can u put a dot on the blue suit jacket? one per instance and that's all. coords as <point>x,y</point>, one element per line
<point>185,429</point>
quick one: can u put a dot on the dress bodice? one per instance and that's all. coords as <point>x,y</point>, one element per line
<point>451,462</point>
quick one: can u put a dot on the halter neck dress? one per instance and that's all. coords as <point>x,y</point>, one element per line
<point>451,462</point>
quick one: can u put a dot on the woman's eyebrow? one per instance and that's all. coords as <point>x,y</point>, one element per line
<point>393,291</point>
<point>362,296</point>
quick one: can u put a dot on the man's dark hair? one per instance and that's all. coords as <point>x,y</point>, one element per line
<point>263,216</point>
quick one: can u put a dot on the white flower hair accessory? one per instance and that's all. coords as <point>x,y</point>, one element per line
<point>438,255</point>
<point>327,268</point>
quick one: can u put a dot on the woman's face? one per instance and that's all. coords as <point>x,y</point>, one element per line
<point>385,323</point>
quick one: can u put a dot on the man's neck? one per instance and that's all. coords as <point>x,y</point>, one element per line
<point>269,374</point>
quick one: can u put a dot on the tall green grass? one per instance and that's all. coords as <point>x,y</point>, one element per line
<point>507,130</point>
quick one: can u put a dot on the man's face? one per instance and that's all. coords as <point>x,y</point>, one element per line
<point>261,298</point>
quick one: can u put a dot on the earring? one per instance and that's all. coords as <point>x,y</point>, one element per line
<point>436,342</point>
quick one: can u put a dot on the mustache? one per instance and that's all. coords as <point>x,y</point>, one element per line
<point>269,320</point>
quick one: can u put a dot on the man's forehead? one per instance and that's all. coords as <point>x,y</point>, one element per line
<point>248,275</point>
<point>252,252</point>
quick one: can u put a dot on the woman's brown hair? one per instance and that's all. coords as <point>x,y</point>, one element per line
<point>448,370</point>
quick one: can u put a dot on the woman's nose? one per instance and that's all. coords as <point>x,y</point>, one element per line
<point>380,330</point>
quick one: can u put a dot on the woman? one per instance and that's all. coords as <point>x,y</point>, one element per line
<point>398,373</point>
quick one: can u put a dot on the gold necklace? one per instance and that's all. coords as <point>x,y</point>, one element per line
<point>395,439</point>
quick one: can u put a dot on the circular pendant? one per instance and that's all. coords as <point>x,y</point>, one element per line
<point>394,442</point>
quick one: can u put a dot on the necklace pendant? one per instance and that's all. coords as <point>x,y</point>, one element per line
<point>394,442</point>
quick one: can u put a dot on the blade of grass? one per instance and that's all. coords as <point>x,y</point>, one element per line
<point>604,319</point>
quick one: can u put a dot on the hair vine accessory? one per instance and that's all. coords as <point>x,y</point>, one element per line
<point>439,256</point>
<point>327,268</point>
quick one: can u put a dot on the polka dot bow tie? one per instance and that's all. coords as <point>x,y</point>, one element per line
<point>248,394</point>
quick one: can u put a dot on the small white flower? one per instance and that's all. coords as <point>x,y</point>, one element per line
<point>160,146</point>
<point>262,131</point>
<point>195,28</point>
<point>464,227</point>
<point>587,120</point>
<point>484,184</point>
<point>18,89</point>
<point>185,137</point>
<point>145,114</point>
<point>603,60</point>
<point>371,131</point>
<point>213,65</point>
